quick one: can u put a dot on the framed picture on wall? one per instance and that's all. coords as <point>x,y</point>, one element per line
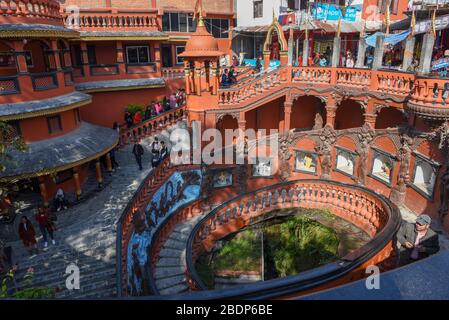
<point>222,178</point>
<point>382,166</point>
<point>262,167</point>
<point>345,161</point>
<point>306,161</point>
<point>425,174</point>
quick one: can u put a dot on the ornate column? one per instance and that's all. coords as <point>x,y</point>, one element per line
<point>157,58</point>
<point>43,190</point>
<point>408,53</point>
<point>331,111</point>
<point>370,119</point>
<point>76,179</point>
<point>287,115</point>
<point>197,78</point>
<point>98,173</point>
<point>86,67</point>
<point>120,58</point>
<point>108,162</point>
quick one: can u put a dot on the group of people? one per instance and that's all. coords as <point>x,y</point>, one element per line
<point>47,227</point>
<point>156,108</point>
<point>159,152</point>
<point>228,77</point>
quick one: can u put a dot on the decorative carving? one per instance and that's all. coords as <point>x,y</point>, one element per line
<point>139,222</point>
<point>365,136</point>
<point>328,137</point>
<point>404,156</point>
<point>444,195</point>
<point>234,115</point>
<point>318,122</point>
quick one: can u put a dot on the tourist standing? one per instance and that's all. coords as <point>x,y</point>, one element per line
<point>114,162</point>
<point>137,118</point>
<point>173,103</point>
<point>258,65</point>
<point>349,60</point>
<point>416,240</point>
<point>155,152</point>
<point>128,119</point>
<point>46,226</point>
<point>28,235</point>
<point>60,200</point>
<point>138,153</point>
<point>163,151</point>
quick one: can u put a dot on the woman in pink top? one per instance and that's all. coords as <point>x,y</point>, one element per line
<point>158,108</point>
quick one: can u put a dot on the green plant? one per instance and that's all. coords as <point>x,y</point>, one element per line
<point>133,108</point>
<point>28,292</point>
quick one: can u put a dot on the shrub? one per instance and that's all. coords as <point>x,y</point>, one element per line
<point>133,108</point>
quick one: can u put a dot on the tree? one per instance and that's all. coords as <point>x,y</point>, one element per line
<point>9,140</point>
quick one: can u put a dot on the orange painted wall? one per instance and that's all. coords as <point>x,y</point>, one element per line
<point>36,49</point>
<point>109,107</point>
<point>35,129</point>
<point>370,6</point>
<point>69,185</point>
<point>106,52</point>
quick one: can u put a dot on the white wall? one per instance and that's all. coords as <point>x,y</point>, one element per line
<point>245,13</point>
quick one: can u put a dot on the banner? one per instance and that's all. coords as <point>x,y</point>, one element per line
<point>331,12</point>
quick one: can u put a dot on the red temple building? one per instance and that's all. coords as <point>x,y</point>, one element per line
<point>366,142</point>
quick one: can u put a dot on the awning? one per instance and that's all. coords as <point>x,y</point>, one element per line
<point>390,39</point>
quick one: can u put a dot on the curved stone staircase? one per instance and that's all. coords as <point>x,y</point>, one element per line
<point>86,234</point>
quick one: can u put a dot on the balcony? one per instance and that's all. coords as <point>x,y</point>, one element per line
<point>19,11</point>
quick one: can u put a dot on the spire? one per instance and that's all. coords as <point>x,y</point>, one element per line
<point>387,18</point>
<point>434,30</point>
<point>412,23</point>
<point>199,11</point>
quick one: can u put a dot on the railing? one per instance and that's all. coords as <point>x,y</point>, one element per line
<point>173,72</point>
<point>371,212</point>
<point>111,20</point>
<point>44,81</point>
<point>151,126</point>
<point>397,83</point>
<point>68,77</point>
<point>47,9</point>
<point>318,75</point>
<point>140,68</point>
<point>9,85</point>
<point>247,90</point>
<point>353,77</point>
<point>430,92</point>
<point>103,69</point>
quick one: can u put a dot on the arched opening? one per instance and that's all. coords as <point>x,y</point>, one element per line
<point>8,65</point>
<point>390,117</point>
<point>226,122</point>
<point>349,115</point>
<point>304,112</point>
<point>38,57</point>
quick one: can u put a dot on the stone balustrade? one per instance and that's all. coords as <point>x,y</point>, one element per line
<point>151,126</point>
<point>360,206</point>
<point>114,20</point>
<point>44,9</point>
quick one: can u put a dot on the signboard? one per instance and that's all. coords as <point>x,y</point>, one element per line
<point>441,23</point>
<point>331,12</point>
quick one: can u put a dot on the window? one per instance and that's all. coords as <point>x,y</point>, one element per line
<point>178,22</point>
<point>77,115</point>
<point>218,27</point>
<point>54,124</point>
<point>15,124</point>
<point>91,55</point>
<point>29,59</point>
<point>179,50</point>
<point>77,55</point>
<point>306,161</point>
<point>258,8</point>
<point>424,176</point>
<point>7,59</point>
<point>137,54</point>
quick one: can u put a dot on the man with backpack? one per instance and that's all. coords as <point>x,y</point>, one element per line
<point>138,153</point>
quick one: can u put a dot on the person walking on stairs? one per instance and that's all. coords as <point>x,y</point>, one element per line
<point>28,235</point>
<point>138,153</point>
<point>46,226</point>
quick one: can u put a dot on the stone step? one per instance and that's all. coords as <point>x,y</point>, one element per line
<point>108,290</point>
<point>166,272</point>
<point>170,282</point>
<point>176,289</point>
<point>170,253</point>
<point>169,262</point>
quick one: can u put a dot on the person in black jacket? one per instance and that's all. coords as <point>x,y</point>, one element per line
<point>138,153</point>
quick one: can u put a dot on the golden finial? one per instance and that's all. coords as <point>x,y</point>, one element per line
<point>412,23</point>
<point>387,18</point>
<point>339,27</point>
<point>199,11</point>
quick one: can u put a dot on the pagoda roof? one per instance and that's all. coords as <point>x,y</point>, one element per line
<point>124,84</point>
<point>35,30</point>
<point>28,109</point>
<point>82,145</point>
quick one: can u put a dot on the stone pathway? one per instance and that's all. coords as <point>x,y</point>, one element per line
<point>86,234</point>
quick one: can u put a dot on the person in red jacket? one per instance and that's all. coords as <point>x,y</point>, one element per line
<point>45,225</point>
<point>27,235</point>
<point>137,118</point>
